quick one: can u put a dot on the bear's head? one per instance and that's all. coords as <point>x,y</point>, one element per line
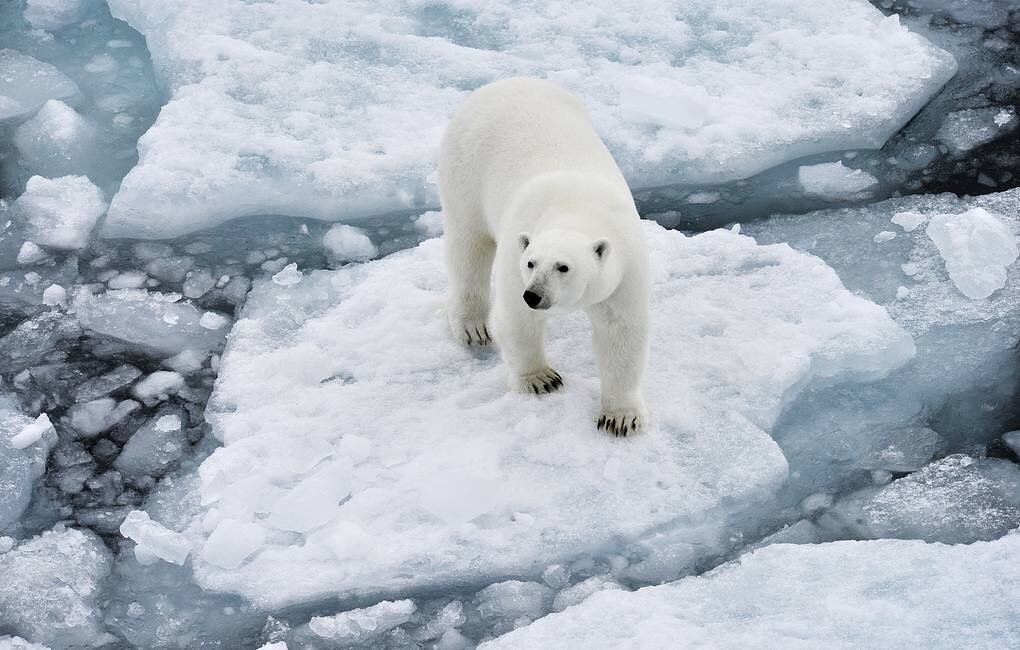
<point>561,269</point>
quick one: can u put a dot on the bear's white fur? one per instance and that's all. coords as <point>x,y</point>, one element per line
<point>526,183</point>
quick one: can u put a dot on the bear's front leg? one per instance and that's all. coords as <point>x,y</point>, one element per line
<point>621,351</point>
<point>520,333</point>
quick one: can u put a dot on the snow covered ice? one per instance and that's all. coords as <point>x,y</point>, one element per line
<point>872,594</point>
<point>279,108</point>
<point>392,500</point>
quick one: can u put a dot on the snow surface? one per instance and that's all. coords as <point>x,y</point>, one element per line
<point>334,109</point>
<point>375,459</point>
<point>874,594</point>
<point>27,83</point>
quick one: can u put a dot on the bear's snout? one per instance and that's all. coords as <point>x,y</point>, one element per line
<point>533,299</point>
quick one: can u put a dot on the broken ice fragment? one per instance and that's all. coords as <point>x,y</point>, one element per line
<point>977,247</point>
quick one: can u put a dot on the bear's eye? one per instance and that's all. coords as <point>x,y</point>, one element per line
<point>563,268</point>
<point>531,265</point>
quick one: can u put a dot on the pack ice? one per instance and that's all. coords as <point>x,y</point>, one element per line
<point>334,109</point>
<point>366,452</point>
<point>873,594</point>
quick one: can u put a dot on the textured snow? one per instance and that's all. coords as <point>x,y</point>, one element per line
<point>334,109</point>
<point>874,594</point>
<point>374,459</point>
<point>27,83</point>
<point>59,212</point>
<point>977,247</point>
<point>50,586</point>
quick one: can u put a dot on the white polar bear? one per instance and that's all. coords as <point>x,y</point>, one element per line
<point>526,182</point>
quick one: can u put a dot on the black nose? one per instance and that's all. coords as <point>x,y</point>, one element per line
<point>532,299</point>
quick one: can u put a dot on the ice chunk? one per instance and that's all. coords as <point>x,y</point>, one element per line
<point>954,500</point>
<point>33,339</point>
<point>430,223</point>
<point>909,221</point>
<point>972,127</point>
<point>17,643</point>
<point>835,181</point>
<point>157,322</point>
<point>748,328</point>
<point>92,418</point>
<point>30,253</point>
<point>977,247</point>
<point>232,543</point>
<point>291,120</point>
<point>314,501</point>
<point>56,142</point>
<point>59,212</point>
<point>153,540</point>
<point>55,14</point>
<point>870,594</point>
<point>575,594</point>
<point>359,626</point>
<point>186,362</point>
<point>50,586</point>
<point>27,83</point>
<point>288,276</point>
<point>127,280</point>
<point>155,447</point>
<point>106,383</point>
<point>349,244</point>
<point>157,386</point>
<point>987,13</point>
<point>54,295</point>
<point>514,599</point>
<point>32,432</point>
<point>213,321</point>
<point>19,467</point>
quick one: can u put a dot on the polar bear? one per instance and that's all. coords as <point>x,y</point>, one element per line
<point>527,185</point>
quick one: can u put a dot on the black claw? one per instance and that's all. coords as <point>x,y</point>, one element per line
<point>602,422</point>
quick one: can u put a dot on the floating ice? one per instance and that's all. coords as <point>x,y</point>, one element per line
<point>277,108</point>
<point>232,542</point>
<point>157,322</point>
<point>92,418</point>
<point>972,127</point>
<point>359,626</point>
<point>872,594</point>
<point>835,181</point>
<point>17,643</point>
<point>106,383</point>
<point>55,14</point>
<point>514,599</point>
<point>56,142</point>
<point>19,467</point>
<point>27,83</point>
<point>961,385</point>
<point>155,447</point>
<point>309,365</point>
<point>154,540</point>
<point>54,295</point>
<point>32,432</point>
<point>157,386</point>
<point>955,500</point>
<point>977,247</point>
<point>909,221</point>
<point>59,212</point>
<point>349,244</point>
<point>50,587</point>
<point>30,253</point>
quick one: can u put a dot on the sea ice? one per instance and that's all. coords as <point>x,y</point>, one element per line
<point>153,540</point>
<point>977,247</point>
<point>359,626</point>
<point>160,323</point>
<point>277,108</point>
<point>957,499</point>
<point>27,83</point>
<point>92,418</point>
<point>323,394</point>
<point>157,386</point>
<point>970,128</point>
<point>835,181</point>
<point>963,382</point>
<point>872,594</point>
<point>155,447</point>
<point>50,587</point>
<point>349,244</point>
<point>59,212</point>
<point>55,14</point>
<point>20,466</point>
<point>56,142</point>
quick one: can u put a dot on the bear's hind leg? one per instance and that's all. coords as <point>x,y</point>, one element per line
<point>469,272</point>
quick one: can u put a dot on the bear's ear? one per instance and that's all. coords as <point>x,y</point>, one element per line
<point>601,248</point>
<point>525,239</point>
